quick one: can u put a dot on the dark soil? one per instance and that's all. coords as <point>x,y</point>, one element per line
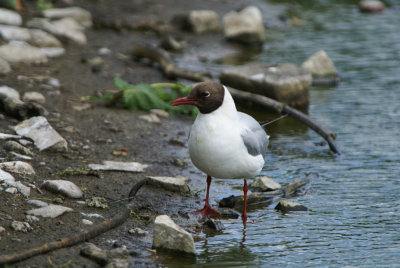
<point>104,130</point>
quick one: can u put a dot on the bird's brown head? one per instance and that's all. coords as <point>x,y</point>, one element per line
<point>207,96</point>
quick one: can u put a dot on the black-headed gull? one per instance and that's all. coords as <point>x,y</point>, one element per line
<point>223,142</point>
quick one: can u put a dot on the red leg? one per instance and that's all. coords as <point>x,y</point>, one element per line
<point>244,216</point>
<point>207,210</point>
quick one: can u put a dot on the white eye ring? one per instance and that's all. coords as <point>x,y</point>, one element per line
<point>205,94</point>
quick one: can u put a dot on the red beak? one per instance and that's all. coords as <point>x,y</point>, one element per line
<point>182,101</point>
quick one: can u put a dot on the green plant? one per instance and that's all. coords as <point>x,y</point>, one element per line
<point>144,96</point>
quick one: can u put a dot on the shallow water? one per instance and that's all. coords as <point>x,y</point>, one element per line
<point>354,205</point>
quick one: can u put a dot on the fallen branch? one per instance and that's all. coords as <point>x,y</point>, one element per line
<point>171,71</point>
<point>77,237</point>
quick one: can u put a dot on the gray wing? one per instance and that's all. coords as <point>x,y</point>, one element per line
<point>254,137</point>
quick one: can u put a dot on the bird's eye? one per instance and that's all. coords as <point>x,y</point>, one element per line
<point>205,94</point>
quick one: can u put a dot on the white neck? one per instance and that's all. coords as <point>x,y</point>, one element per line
<point>228,107</point>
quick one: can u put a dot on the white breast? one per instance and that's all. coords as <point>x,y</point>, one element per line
<point>216,147</point>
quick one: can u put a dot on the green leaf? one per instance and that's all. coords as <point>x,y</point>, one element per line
<point>151,96</point>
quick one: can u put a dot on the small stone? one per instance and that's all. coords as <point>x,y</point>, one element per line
<point>96,254</point>
<point>322,69</point>
<point>63,187</point>
<point>245,26</point>
<point>160,113</point>
<point>53,52</point>
<point>2,229</point>
<point>214,224</point>
<point>19,52</point>
<point>10,17</point>
<point>6,177</point>
<point>97,202</point>
<point>71,29</point>
<point>42,133</point>
<point>176,184</point>
<point>11,190</point>
<point>79,14</point>
<point>37,203</point>
<point>137,231</point>
<point>16,147</point>
<point>168,235</point>
<point>51,211</point>
<point>151,118</point>
<point>87,222</point>
<point>21,156</point>
<point>371,6</point>
<point>40,38</point>
<point>104,51</point>
<point>82,107</point>
<point>31,218</point>
<point>18,167</point>
<point>265,184</point>
<point>14,33</point>
<point>24,190</point>
<point>21,226</point>
<point>118,257</point>
<point>58,200</point>
<point>54,82</point>
<point>33,96</point>
<point>9,92</point>
<point>287,206</point>
<point>119,166</point>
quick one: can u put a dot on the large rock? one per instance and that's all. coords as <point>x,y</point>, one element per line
<point>283,82</point>
<point>10,17</point>
<point>41,132</point>
<point>168,235</point>
<point>264,184</point>
<point>245,26</point>
<point>20,52</point>
<point>80,15</point>
<point>322,69</point>
<point>63,187</point>
<point>176,184</point>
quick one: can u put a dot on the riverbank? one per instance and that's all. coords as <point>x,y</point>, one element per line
<point>95,133</point>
